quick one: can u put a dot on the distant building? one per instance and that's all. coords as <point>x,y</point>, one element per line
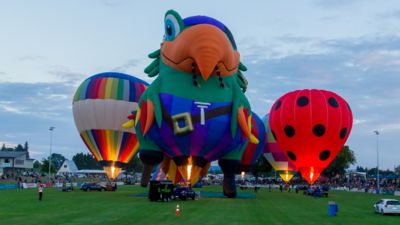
<point>14,161</point>
<point>68,168</point>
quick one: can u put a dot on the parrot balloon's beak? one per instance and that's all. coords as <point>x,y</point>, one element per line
<point>202,49</point>
<point>206,61</point>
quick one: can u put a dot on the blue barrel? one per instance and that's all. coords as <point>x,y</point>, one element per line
<point>332,209</point>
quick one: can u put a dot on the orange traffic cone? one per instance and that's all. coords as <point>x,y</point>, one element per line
<point>177,212</point>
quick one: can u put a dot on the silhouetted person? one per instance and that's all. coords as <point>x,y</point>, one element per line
<point>40,191</point>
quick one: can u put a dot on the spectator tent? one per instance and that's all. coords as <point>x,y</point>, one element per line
<point>68,167</point>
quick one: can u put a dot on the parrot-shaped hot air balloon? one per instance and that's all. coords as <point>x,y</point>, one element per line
<point>195,110</point>
<point>100,106</point>
<point>275,156</point>
<point>311,127</point>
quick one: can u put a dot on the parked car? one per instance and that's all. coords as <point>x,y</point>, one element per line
<point>386,206</point>
<point>67,187</point>
<point>316,192</point>
<point>111,186</point>
<point>92,187</point>
<point>184,193</point>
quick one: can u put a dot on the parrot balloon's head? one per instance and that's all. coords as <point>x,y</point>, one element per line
<point>200,46</point>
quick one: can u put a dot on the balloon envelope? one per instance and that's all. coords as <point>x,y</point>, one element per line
<point>167,170</point>
<point>211,137</point>
<point>311,127</point>
<point>253,151</point>
<point>100,107</point>
<point>275,156</point>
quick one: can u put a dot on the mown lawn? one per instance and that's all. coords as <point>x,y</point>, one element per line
<point>272,208</point>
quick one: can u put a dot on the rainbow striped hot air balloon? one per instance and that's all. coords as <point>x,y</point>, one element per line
<point>100,107</point>
<point>275,156</point>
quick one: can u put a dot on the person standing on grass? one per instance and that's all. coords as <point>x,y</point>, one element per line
<point>40,191</point>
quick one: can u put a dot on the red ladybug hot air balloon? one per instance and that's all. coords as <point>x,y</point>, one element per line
<point>311,127</point>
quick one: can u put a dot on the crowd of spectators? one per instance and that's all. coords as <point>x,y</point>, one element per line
<point>33,177</point>
<point>358,184</point>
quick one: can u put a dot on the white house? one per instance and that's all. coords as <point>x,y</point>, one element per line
<point>14,161</point>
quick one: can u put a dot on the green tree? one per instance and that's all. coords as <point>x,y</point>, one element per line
<point>262,166</point>
<point>372,172</point>
<point>26,148</point>
<point>4,148</point>
<point>19,148</point>
<point>37,164</point>
<point>134,165</point>
<point>57,160</point>
<point>397,170</point>
<point>361,169</point>
<point>86,161</point>
<point>45,167</point>
<point>343,160</point>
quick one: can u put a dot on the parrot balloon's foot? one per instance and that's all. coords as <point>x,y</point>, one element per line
<point>228,168</point>
<point>231,194</point>
<point>149,159</point>
<point>146,175</point>
<point>229,186</point>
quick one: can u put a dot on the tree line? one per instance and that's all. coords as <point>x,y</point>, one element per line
<point>18,148</point>
<point>82,161</point>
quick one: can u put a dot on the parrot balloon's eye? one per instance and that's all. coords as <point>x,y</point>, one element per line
<point>172,27</point>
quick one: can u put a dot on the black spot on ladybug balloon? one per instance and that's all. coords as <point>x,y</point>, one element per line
<point>311,127</point>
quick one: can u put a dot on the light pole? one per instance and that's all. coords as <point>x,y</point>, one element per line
<point>377,161</point>
<point>51,143</point>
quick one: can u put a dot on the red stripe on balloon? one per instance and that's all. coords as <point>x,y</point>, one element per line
<point>127,149</point>
<point>143,115</point>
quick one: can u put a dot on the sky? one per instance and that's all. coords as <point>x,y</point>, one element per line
<point>351,47</point>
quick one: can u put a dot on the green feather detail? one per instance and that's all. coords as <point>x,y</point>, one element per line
<point>242,81</point>
<point>153,93</point>
<point>152,65</point>
<point>154,72</point>
<point>154,68</point>
<point>239,100</point>
<point>155,97</point>
<point>242,67</point>
<point>155,54</point>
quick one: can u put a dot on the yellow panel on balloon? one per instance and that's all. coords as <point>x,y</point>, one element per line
<point>286,175</point>
<point>112,171</point>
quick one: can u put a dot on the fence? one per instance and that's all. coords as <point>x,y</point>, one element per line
<point>8,186</point>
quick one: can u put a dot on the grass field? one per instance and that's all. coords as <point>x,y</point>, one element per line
<point>272,208</point>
